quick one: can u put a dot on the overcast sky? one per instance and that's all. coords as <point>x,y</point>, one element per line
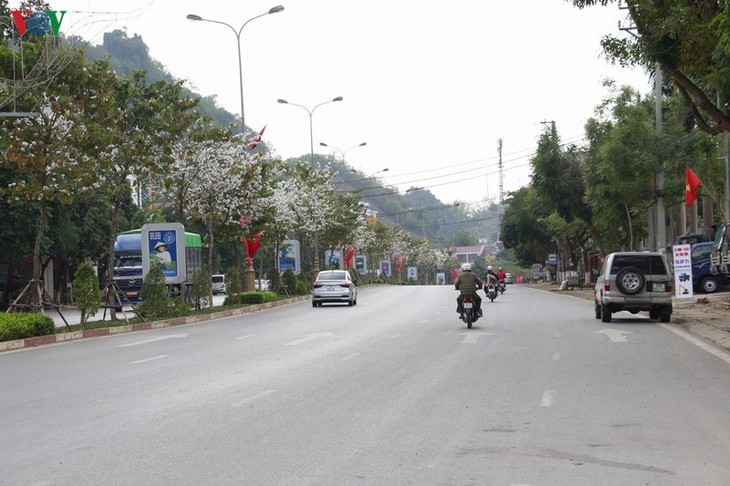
<point>430,86</point>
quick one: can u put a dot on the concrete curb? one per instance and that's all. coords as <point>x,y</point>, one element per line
<point>61,337</point>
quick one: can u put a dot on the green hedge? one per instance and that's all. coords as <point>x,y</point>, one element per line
<point>22,325</point>
<point>249,298</point>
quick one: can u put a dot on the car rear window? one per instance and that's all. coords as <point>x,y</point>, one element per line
<point>331,276</point>
<point>648,264</point>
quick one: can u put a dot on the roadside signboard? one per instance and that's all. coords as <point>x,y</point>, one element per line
<point>361,264</point>
<point>164,243</point>
<point>412,273</point>
<point>682,255</point>
<point>290,256</point>
<point>385,267</point>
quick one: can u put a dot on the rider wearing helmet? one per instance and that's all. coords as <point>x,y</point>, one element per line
<point>501,275</point>
<point>468,284</point>
<point>491,275</point>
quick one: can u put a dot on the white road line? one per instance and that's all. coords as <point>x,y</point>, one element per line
<point>556,356</point>
<point>245,337</point>
<point>697,342</point>
<point>547,399</point>
<point>154,340</point>
<point>397,335</point>
<point>253,398</point>
<point>425,321</point>
<point>350,357</point>
<point>148,359</point>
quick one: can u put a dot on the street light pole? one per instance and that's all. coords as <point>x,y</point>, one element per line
<point>342,152</point>
<point>237,33</point>
<point>311,151</point>
<point>310,112</point>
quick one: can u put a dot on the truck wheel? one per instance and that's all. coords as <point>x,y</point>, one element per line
<point>709,285</point>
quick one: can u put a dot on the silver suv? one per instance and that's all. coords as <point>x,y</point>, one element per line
<point>634,281</point>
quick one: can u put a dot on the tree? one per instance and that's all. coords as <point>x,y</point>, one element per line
<point>86,292</point>
<point>690,41</point>
<point>523,229</point>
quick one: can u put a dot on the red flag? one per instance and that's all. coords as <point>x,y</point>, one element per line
<point>690,189</point>
<point>252,245</point>
<point>399,262</point>
<point>255,142</point>
<point>349,255</point>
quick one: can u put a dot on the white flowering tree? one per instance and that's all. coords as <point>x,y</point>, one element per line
<point>220,184</point>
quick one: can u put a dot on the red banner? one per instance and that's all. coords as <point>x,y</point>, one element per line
<point>252,245</point>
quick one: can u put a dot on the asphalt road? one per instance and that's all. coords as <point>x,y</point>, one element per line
<point>392,391</point>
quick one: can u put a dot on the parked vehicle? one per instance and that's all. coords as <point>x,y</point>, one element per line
<point>469,312</point>
<point>128,274</point>
<point>509,279</point>
<point>703,280</point>
<point>218,283</point>
<point>334,286</point>
<point>634,281</point>
<point>262,285</point>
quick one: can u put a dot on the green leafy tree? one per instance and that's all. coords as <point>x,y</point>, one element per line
<point>523,228</point>
<point>690,41</point>
<point>86,292</point>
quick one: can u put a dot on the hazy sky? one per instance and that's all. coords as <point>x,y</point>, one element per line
<point>430,86</point>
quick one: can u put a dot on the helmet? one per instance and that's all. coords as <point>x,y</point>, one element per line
<point>466,267</point>
<point>490,267</point>
<point>500,268</point>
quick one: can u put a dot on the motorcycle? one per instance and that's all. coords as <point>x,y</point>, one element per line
<point>491,291</point>
<point>502,286</point>
<point>469,312</point>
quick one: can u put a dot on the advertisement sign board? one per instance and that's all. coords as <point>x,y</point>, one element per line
<point>412,273</point>
<point>290,256</point>
<point>164,243</point>
<point>361,264</point>
<point>682,255</point>
<point>385,267</point>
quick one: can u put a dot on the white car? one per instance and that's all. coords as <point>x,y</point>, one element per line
<point>334,286</point>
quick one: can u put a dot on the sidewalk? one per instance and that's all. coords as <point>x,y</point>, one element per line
<point>705,315</point>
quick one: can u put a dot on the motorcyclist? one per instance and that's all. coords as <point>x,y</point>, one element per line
<point>468,283</point>
<point>502,278</point>
<point>491,276</point>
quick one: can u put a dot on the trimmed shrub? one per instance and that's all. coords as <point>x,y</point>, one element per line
<point>290,282</point>
<point>234,286</point>
<point>85,291</point>
<point>275,281</point>
<point>22,325</point>
<point>201,288</point>
<point>250,298</point>
<point>302,287</point>
<point>155,298</point>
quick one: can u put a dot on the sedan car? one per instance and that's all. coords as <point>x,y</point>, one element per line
<point>334,286</point>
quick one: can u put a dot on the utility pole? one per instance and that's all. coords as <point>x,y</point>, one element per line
<point>501,173</point>
<point>661,227</point>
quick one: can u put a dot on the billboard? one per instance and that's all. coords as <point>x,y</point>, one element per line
<point>290,257</point>
<point>361,264</point>
<point>164,243</point>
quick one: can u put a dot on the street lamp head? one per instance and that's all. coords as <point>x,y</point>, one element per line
<point>276,9</point>
<point>323,144</point>
<point>282,101</point>
<point>194,17</point>
<point>339,98</point>
<point>362,144</point>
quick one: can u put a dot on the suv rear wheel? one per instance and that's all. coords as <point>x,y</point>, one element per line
<point>630,280</point>
<point>665,313</point>
<point>605,313</point>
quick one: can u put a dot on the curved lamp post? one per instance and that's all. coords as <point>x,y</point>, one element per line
<point>311,147</point>
<point>310,112</point>
<point>237,33</point>
<point>342,152</point>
